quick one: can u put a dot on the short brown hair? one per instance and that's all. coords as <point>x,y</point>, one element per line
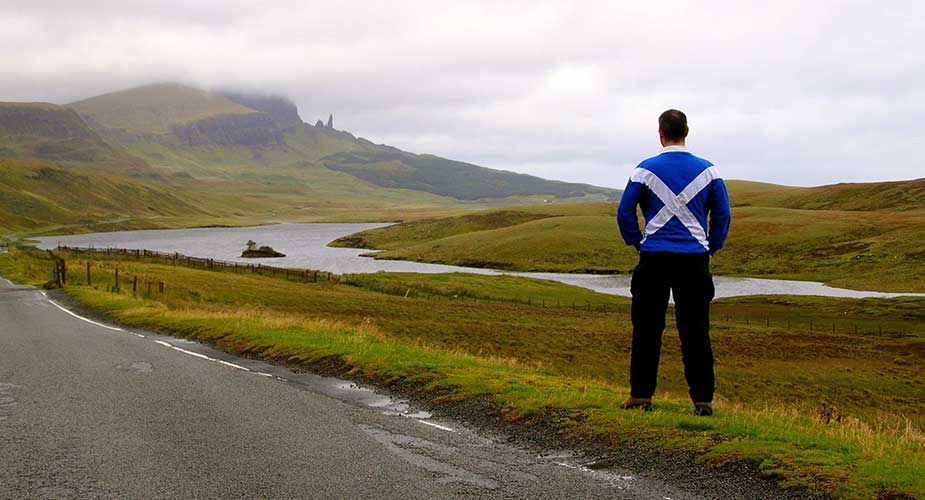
<point>673,125</point>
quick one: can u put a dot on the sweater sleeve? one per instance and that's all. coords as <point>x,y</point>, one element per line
<point>720,216</point>
<point>626,214</point>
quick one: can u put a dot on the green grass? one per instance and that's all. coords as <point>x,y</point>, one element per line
<point>861,249</point>
<point>897,195</point>
<point>35,195</point>
<point>568,367</point>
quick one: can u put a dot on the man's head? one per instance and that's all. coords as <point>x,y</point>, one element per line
<point>672,127</point>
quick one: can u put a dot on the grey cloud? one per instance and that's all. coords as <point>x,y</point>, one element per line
<point>791,92</point>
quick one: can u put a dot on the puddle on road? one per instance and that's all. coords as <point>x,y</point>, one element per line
<point>139,367</point>
<point>613,478</point>
<point>388,405</point>
<point>7,401</point>
<point>421,453</point>
<point>600,469</point>
<point>340,389</point>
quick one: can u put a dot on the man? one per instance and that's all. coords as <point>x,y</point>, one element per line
<point>686,210</point>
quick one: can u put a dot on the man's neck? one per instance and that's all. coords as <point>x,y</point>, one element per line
<point>673,146</point>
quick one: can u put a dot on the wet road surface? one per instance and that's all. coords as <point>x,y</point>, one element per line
<point>89,410</point>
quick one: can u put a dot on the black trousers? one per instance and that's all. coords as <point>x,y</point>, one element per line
<point>688,277</point>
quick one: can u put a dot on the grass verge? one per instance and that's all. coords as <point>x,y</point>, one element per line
<point>838,413</point>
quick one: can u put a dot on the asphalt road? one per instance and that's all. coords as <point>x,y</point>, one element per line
<point>88,410</point>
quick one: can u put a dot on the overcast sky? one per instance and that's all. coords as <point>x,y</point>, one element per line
<point>800,93</point>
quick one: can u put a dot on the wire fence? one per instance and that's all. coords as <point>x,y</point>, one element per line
<point>303,275</point>
<point>148,287</point>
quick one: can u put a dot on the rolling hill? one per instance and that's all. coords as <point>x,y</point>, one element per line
<point>243,138</point>
<point>38,197</point>
<point>896,195</point>
<point>853,235</point>
<point>56,134</point>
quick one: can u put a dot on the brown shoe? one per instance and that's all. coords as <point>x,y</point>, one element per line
<point>703,409</point>
<point>631,403</point>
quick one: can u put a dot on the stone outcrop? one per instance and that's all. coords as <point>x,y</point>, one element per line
<point>253,130</point>
<point>330,124</point>
<point>282,110</point>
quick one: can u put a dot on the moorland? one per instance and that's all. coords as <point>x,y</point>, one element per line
<point>864,236</point>
<point>819,394</point>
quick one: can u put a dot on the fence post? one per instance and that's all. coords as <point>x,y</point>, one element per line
<point>160,286</point>
<point>88,274</point>
<point>117,279</point>
<point>134,284</point>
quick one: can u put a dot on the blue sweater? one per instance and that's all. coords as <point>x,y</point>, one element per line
<point>676,191</point>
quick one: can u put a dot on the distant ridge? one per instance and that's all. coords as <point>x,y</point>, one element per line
<point>202,133</point>
<point>858,196</point>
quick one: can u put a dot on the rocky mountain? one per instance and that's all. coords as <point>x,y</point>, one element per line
<point>178,127</point>
<point>280,109</point>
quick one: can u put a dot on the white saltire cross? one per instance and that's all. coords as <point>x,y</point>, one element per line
<point>676,205</point>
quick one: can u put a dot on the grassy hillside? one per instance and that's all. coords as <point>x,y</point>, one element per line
<point>897,195</point>
<point>35,195</point>
<point>837,412</point>
<point>56,134</point>
<point>155,109</point>
<point>869,249</point>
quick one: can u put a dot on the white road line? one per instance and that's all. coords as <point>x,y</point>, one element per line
<point>85,319</point>
<point>263,374</point>
<point>202,356</point>
<point>8,281</point>
<point>239,367</point>
<point>438,426</point>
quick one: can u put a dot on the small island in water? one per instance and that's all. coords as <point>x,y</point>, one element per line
<point>253,252</point>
